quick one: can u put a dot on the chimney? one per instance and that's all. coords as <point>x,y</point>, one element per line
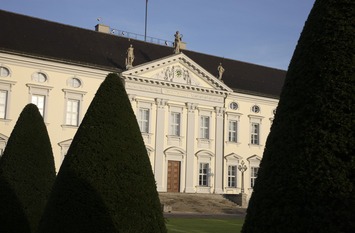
<point>102,28</point>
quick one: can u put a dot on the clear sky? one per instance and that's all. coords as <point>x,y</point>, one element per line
<point>263,32</point>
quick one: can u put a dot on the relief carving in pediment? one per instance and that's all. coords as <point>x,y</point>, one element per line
<point>176,74</point>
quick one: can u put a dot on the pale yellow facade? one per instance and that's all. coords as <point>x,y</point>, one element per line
<point>183,111</point>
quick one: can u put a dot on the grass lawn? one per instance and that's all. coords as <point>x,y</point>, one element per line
<point>175,225</point>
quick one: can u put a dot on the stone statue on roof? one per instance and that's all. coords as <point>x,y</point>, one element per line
<point>220,71</point>
<point>130,57</point>
<point>177,42</point>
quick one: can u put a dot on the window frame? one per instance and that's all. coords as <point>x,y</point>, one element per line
<point>73,95</point>
<point>35,89</point>
<point>255,133</point>
<point>6,87</point>
<point>232,176</point>
<point>253,175</point>
<point>203,176</point>
<point>204,127</point>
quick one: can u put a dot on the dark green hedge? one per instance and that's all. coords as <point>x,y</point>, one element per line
<point>27,174</point>
<point>307,174</point>
<point>105,183</point>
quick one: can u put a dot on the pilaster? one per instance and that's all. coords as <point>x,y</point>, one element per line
<point>190,148</point>
<point>159,145</point>
<point>219,150</point>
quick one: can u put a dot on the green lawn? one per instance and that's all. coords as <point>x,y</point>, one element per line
<point>175,225</point>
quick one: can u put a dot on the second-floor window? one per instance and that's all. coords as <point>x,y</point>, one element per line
<point>175,124</point>
<point>39,100</point>
<point>143,120</point>
<point>205,127</point>
<point>3,102</point>
<point>232,131</point>
<point>255,134</point>
<point>72,115</point>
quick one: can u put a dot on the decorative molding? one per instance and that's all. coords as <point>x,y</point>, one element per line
<point>219,111</point>
<point>191,107</point>
<point>161,103</point>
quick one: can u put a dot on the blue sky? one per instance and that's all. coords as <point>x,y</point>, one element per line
<point>263,32</point>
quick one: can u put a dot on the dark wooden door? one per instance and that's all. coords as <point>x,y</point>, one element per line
<point>173,176</point>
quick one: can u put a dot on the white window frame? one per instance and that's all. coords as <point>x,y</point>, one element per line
<point>232,160</point>
<point>175,138</point>
<point>254,162</point>
<point>255,121</point>
<point>253,175</point>
<point>205,157</point>
<point>39,101</point>
<point>36,75</point>
<point>205,122</point>
<point>72,81</point>
<point>203,174</point>
<point>2,68</point>
<point>232,176</point>
<point>144,104</point>
<point>232,117</point>
<point>73,95</point>
<point>6,87</point>
<point>255,134</point>
<point>35,89</point>
<point>143,119</point>
<point>175,124</point>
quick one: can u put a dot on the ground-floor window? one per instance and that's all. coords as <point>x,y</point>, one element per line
<point>202,180</point>
<point>253,175</point>
<point>232,176</point>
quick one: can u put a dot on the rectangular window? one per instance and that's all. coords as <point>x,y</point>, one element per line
<point>202,177</point>
<point>175,124</point>
<point>253,175</point>
<point>3,101</point>
<point>143,120</point>
<point>72,117</point>
<point>232,176</point>
<point>205,127</point>
<point>39,100</point>
<point>232,131</point>
<point>255,128</point>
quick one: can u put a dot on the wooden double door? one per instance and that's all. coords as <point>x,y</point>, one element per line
<point>173,180</point>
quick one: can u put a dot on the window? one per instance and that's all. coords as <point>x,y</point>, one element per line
<point>233,105</point>
<point>232,131</point>
<point>202,177</point>
<point>3,101</point>
<point>4,72</point>
<point>39,77</point>
<point>72,117</point>
<point>39,100</point>
<point>255,109</point>
<point>74,82</point>
<point>143,120</point>
<point>253,175</point>
<point>232,176</point>
<point>255,128</point>
<point>175,124</point>
<point>205,127</point>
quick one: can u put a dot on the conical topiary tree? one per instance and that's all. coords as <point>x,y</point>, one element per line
<point>27,174</point>
<point>307,174</point>
<point>105,183</point>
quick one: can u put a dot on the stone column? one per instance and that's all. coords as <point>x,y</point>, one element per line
<point>218,183</point>
<point>159,145</point>
<point>190,148</point>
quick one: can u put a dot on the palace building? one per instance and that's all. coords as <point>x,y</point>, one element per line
<point>204,119</point>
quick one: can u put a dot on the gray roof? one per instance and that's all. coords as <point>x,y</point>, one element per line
<point>31,36</point>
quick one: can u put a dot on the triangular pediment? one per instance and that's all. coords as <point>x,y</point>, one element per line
<point>177,69</point>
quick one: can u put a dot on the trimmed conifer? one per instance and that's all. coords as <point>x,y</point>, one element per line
<point>27,174</point>
<point>307,174</point>
<point>105,183</point>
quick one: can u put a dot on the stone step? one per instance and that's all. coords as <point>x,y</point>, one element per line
<point>198,203</point>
